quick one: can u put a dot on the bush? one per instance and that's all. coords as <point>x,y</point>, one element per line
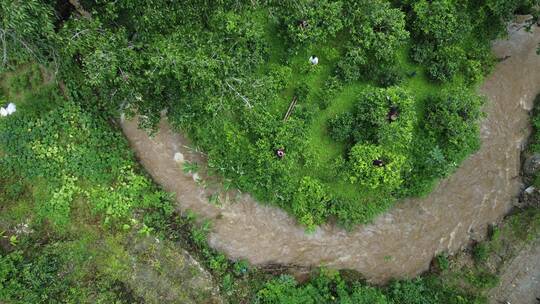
<point>55,273</point>
<point>448,133</point>
<point>482,279</point>
<point>452,38</point>
<point>368,122</point>
<point>326,287</point>
<point>310,203</point>
<point>27,32</point>
<point>452,119</point>
<point>34,281</point>
<point>365,173</point>
<point>377,33</point>
<point>323,19</point>
<point>390,76</point>
<point>342,127</point>
<point>283,290</point>
<point>480,252</point>
<point>428,290</point>
<point>534,145</point>
<point>57,209</point>
<point>442,262</point>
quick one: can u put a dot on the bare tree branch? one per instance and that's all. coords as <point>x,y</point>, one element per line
<point>239,95</point>
<point>80,9</point>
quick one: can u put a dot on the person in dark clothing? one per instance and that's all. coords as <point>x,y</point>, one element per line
<point>378,163</point>
<point>280,153</point>
<point>393,114</point>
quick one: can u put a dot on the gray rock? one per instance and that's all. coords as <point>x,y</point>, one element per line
<point>532,164</point>
<point>530,190</point>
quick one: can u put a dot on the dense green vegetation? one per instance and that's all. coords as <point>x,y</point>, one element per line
<point>227,71</point>
<point>63,170</point>
<point>79,219</point>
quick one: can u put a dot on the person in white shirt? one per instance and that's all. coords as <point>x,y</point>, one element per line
<point>8,110</point>
<point>11,108</point>
<point>314,60</point>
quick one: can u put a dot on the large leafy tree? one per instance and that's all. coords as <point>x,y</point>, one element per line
<point>439,28</point>
<point>377,32</point>
<point>452,117</point>
<point>26,32</point>
<point>309,21</point>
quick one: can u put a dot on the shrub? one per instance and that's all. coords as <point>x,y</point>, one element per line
<point>57,209</point>
<point>377,33</point>
<point>365,295</point>
<point>365,173</point>
<point>326,287</point>
<point>452,119</point>
<point>482,279</point>
<point>72,148</point>
<point>323,20</point>
<point>284,290</point>
<point>442,262</point>
<point>438,27</point>
<point>452,38</point>
<point>35,279</point>
<point>534,146</point>
<point>448,133</point>
<point>428,290</point>
<point>390,76</point>
<point>480,252</point>
<point>27,32</point>
<point>310,203</point>
<point>341,127</point>
<point>331,87</point>
<point>368,122</point>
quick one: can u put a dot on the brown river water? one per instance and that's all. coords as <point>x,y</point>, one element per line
<point>400,243</point>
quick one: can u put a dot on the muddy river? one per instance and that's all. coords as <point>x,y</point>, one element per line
<point>400,243</point>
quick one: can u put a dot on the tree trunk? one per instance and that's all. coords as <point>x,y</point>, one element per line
<point>80,9</point>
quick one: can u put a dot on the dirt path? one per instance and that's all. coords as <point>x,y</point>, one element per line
<point>402,242</point>
<point>520,281</point>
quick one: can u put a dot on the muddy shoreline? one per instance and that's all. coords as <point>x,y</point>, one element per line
<point>400,243</point>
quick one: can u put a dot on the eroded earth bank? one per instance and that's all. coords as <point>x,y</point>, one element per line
<point>400,243</point>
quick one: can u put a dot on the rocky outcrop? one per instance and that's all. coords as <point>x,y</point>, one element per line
<point>531,166</point>
<point>163,272</point>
